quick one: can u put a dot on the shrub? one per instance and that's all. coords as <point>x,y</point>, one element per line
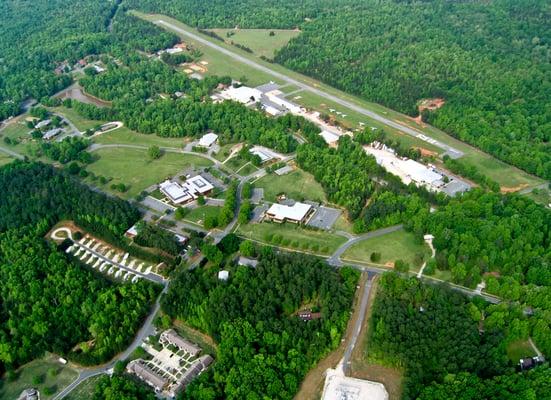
<point>375,256</point>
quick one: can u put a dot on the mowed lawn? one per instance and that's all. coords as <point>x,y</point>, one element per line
<point>291,236</point>
<point>124,135</point>
<point>399,245</point>
<point>84,391</point>
<point>80,122</point>
<point>259,40</point>
<point>198,215</point>
<point>297,185</point>
<point>17,132</point>
<point>5,159</point>
<point>52,374</point>
<point>133,168</point>
<point>519,349</point>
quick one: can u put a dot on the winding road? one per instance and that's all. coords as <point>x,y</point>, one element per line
<point>452,152</point>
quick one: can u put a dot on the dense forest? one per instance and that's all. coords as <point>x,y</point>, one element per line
<point>48,301</point>
<point>445,342</point>
<point>489,61</point>
<point>264,348</point>
<point>118,387</point>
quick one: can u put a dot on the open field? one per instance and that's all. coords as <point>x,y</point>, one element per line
<point>80,122</point>
<point>84,391</point>
<point>505,175</point>
<point>297,185</point>
<point>542,196</point>
<point>198,215</point>
<point>292,237</point>
<point>133,168</point>
<point>519,349</point>
<point>5,159</point>
<point>397,245</point>
<point>362,368</point>
<point>48,370</point>
<point>17,132</point>
<point>126,136</point>
<point>258,40</point>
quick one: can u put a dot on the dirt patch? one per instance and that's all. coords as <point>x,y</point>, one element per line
<point>426,152</point>
<point>389,264</point>
<point>430,104</point>
<point>312,385</point>
<point>512,189</point>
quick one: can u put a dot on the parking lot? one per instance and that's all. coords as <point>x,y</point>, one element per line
<point>324,217</point>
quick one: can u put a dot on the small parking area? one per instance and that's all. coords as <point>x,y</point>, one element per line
<point>324,217</point>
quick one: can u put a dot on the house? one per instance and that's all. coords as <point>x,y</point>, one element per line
<point>223,275</point>
<point>308,315</point>
<point>208,140</point>
<point>530,362</point>
<point>144,372</point>
<point>171,337</point>
<point>248,262</point>
<point>193,371</point>
<point>29,394</point>
<point>43,124</point>
<point>297,213</point>
<point>52,133</point>
<point>132,232</point>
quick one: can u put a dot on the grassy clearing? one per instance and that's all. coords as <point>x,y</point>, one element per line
<point>80,122</point>
<point>519,349</point>
<point>124,135</point>
<point>504,174</point>
<point>224,152</point>
<point>399,245</point>
<point>298,185</point>
<point>542,196</point>
<point>84,391</point>
<point>293,237</point>
<point>18,133</point>
<point>258,40</point>
<point>51,373</point>
<point>198,215</point>
<point>5,159</point>
<point>133,168</point>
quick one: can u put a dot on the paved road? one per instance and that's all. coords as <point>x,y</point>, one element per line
<point>453,153</point>
<point>357,325</point>
<point>355,239</point>
<point>146,330</point>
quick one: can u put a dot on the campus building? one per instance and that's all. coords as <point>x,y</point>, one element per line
<point>298,213</point>
<point>171,337</point>
<point>191,189</point>
<point>145,373</point>
<point>208,140</point>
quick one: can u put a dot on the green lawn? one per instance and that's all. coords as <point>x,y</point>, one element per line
<point>38,368</point>
<point>17,131</point>
<point>133,167</point>
<point>198,215</point>
<point>259,40</point>
<point>292,236</point>
<point>504,174</point>
<point>5,159</point>
<point>542,196</point>
<point>298,185</point>
<point>85,390</point>
<point>519,349</point>
<point>394,246</point>
<point>80,122</point>
<point>224,152</point>
<point>124,135</point>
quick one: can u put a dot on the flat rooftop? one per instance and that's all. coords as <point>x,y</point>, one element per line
<point>339,387</point>
<point>296,212</point>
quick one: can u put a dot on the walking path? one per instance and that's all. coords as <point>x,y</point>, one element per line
<point>428,240</point>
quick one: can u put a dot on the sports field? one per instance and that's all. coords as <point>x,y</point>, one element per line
<point>297,185</point>
<point>258,40</point>
<point>52,376</point>
<point>133,168</point>
<point>399,245</point>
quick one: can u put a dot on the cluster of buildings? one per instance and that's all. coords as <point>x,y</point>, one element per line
<point>411,171</point>
<point>173,367</point>
<point>190,190</point>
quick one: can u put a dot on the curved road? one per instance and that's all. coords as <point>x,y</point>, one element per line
<point>453,153</point>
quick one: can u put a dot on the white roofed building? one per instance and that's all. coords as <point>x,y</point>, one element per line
<point>193,187</point>
<point>243,94</point>
<point>208,139</point>
<point>297,213</point>
<point>330,138</point>
<point>339,387</point>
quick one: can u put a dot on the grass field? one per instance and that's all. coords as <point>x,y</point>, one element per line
<point>519,349</point>
<point>397,245</point>
<point>259,40</point>
<point>126,136</point>
<point>542,196</point>
<point>293,237</point>
<point>16,131</point>
<point>198,215</point>
<point>507,176</point>
<point>133,167</point>
<point>298,185</point>
<point>43,369</point>
<point>5,159</point>
<point>84,391</point>
<point>80,122</point>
